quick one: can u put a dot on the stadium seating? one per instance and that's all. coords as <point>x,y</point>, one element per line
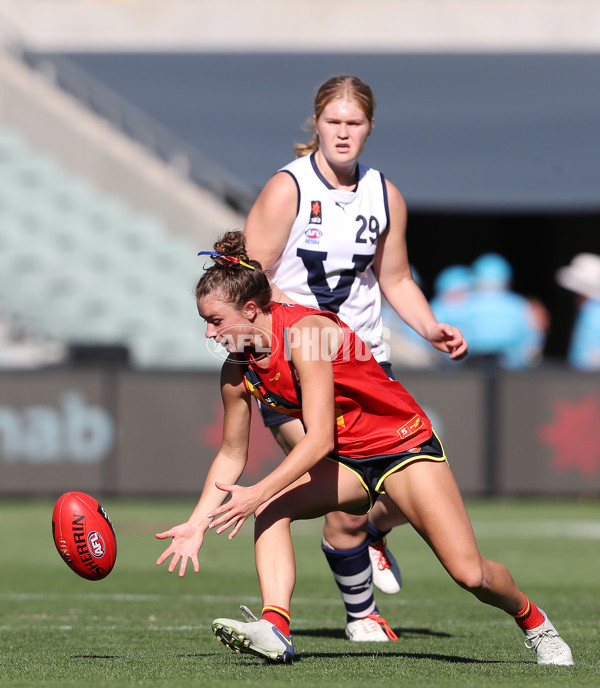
<point>84,268</point>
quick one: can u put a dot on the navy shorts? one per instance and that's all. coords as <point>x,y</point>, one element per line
<point>373,471</point>
<point>272,417</point>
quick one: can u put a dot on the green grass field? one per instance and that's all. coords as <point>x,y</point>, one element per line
<point>144,627</point>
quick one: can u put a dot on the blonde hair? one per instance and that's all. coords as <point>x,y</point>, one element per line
<point>337,88</point>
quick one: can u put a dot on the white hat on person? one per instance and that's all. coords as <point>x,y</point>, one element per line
<point>582,275</point>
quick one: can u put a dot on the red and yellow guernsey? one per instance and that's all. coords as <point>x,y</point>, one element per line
<point>374,415</point>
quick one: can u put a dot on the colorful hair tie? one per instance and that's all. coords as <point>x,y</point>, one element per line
<point>230,259</point>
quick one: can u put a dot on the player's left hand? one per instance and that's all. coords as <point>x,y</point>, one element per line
<point>450,340</point>
<point>243,503</point>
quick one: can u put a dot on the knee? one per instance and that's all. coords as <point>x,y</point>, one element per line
<point>345,524</point>
<point>471,577</point>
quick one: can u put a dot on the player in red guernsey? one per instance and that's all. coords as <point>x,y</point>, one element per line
<point>364,435</point>
<point>374,415</point>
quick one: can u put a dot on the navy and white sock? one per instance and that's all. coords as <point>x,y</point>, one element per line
<point>373,534</point>
<point>352,572</point>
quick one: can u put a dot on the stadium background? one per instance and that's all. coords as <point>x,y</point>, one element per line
<point>168,117</point>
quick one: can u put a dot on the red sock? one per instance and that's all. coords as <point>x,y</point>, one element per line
<point>529,617</point>
<point>278,617</point>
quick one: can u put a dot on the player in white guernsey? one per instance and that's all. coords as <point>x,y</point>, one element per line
<point>331,234</point>
<point>327,262</point>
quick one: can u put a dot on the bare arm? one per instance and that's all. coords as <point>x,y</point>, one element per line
<point>310,355</point>
<point>402,292</point>
<point>269,223</point>
<point>227,467</point>
<point>316,379</point>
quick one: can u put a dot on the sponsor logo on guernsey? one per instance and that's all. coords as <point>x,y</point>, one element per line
<point>411,426</point>
<point>316,217</point>
<point>275,378</point>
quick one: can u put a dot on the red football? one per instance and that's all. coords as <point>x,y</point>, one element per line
<point>84,535</point>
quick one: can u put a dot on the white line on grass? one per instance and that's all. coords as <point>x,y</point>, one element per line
<point>176,629</point>
<point>112,597</point>
<point>578,530</point>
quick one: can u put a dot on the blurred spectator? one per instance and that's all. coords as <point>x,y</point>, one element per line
<point>502,324</point>
<point>582,276</point>
<point>450,304</point>
<point>541,318</point>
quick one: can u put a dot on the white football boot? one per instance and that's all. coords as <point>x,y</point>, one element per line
<point>547,644</point>
<point>255,636</point>
<point>386,572</point>
<point>370,629</point>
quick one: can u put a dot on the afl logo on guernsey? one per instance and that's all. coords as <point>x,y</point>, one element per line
<point>312,234</point>
<point>316,217</point>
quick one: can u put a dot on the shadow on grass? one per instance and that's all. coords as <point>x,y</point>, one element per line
<point>452,659</point>
<point>338,633</point>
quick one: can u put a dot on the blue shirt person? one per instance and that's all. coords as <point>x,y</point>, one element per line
<point>453,290</point>
<point>501,322</point>
<point>582,276</point>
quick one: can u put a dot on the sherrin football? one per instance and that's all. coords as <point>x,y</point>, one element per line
<point>84,535</point>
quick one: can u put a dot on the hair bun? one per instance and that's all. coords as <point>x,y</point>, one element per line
<point>232,244</point>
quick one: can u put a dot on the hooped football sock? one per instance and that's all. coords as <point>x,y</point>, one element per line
<point>278,616</point>
<point>529,617</point>
<point>352,572</point>
<point>374,534</point>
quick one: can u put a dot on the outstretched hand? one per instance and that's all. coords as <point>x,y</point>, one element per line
<point>450,340</point>
<point>187,540</point>
<point>243,503</point>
